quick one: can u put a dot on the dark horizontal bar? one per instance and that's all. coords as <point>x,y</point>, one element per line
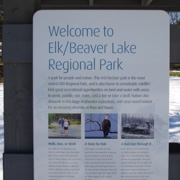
<point>115,7</point>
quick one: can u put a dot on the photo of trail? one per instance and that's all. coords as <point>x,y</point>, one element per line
<point>64,126</point>
<point>101,126</point>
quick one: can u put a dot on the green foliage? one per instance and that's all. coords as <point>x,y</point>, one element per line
<point>75,122</point>
<point>51,118</point>
<point>175,73</point>
<point>75,119</point>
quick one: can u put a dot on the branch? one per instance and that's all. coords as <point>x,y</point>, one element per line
<point>90,120</point>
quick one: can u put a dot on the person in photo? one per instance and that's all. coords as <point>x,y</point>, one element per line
<point>60,121</point>
<point>69,122</point>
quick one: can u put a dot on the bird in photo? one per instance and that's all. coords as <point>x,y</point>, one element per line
<point>106,126</point>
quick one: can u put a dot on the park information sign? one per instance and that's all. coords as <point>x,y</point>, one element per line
<point>100,91</point>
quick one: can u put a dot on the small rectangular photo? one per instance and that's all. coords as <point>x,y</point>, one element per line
<point>137,126</point>
<point>64,126</point>
<point>99,126</point>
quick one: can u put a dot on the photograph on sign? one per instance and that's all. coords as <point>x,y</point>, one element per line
<point>101,126</point>
<point>137,126</point>
<point>64,126</point>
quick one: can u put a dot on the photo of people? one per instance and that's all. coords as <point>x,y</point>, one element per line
<point>137,126</point>
<point>64,126</point>
<point>101,126</point>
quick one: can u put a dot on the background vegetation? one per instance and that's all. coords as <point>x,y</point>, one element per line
<point>74,118</point>
<point>176,73</point>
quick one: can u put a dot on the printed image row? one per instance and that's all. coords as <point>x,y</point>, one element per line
<point>97,126</point>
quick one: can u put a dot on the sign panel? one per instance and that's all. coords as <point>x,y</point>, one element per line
<point>100,90</point>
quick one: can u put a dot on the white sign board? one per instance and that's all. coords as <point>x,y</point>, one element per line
<point>100,91</point>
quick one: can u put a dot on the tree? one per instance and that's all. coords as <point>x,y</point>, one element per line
<point>174,17</point>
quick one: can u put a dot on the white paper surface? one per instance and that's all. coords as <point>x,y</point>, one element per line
<point>105,72</point>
